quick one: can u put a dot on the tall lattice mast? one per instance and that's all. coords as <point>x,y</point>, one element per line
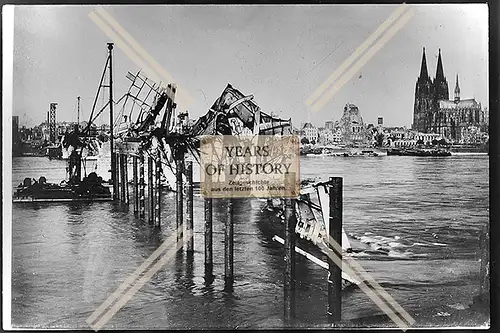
<point>52,122</point>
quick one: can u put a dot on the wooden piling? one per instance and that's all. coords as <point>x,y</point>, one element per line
<point>136,185</point>
<point>209,264</point>
<point>289,274</point>
<point>115,171</point>
<point>189,208</point>
<point>157,191</point>
<point>122,177</point>
<point>142,184</point>
<point>151,198</point>
<point>335,232</point>
<point>125,169</point>
<point>179,196</point>
<point>229,246</point>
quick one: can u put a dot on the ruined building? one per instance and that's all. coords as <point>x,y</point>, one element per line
<point>352,126</point>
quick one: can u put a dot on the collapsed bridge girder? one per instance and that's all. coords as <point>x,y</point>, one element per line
<point>235,114</point>
<point>231,114</point>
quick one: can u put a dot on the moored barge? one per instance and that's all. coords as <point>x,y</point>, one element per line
<point>91,188</point>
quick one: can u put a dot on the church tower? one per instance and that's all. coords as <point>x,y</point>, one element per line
<point>457,92</point>
<point>440,83</point>
<point>423,98</point>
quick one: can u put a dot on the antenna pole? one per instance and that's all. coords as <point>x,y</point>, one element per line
<point>113,162</point>
<point>78,115</point>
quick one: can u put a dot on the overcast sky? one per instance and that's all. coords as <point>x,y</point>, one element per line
<point>280,54</point>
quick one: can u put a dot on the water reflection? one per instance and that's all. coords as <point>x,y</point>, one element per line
<point>67,259</point>
<point>189,271</point>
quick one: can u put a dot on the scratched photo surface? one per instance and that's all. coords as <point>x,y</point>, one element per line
<point>389,100</point>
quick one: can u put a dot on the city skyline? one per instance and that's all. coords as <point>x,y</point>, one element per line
<point>281,65</point>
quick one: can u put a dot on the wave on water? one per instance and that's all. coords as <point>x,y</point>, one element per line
<point>468,153</point>
<point>370,244</point>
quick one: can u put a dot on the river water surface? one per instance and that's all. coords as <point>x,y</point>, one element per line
<point>426,213</point>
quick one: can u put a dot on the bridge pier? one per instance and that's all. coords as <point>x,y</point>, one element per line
<point>136,185</point>
<point>151,199</point>
<point>115,172</point>
<point>125,169</point>
<point>142,184</point>
<point>123,184</point>
<point>157,190</point>
<point>189,207</point>
<point>179,196</point>
<point>209,265</point>
<point>335,232</point>
<point>289,274</point>
<point>229,247</point>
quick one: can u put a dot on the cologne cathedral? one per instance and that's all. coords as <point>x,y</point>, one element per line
<point>433,110</point>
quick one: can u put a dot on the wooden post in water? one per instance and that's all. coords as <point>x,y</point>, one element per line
<point>118,186</point>
<point>179,195</point>
<point>289,255</point>
<point>136,185</point>
<point>117,175</point>
<point>151,198</point>
<point>125,169</point>
<point>158,190</point>
<point>142,184</point>
<point>229,246</point>
<point>209,263</point>
<point>335,232</point>
<point>289,276</point>
<point>122,177</point>
<point>115,171</point>
<point>190,212</point>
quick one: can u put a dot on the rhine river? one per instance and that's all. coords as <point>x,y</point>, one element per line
<point>425,212</point>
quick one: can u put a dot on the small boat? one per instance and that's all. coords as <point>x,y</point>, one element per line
<point>394,152</point>
<point>369,153</point>
<point>419,152</point>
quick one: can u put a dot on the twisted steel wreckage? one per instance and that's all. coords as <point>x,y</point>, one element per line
<point>233,113</point>
<point>147,124</point>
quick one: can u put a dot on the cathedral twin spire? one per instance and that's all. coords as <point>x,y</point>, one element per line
<point>439,70</point>
<point>423,68</point>
<point>440,85</point>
